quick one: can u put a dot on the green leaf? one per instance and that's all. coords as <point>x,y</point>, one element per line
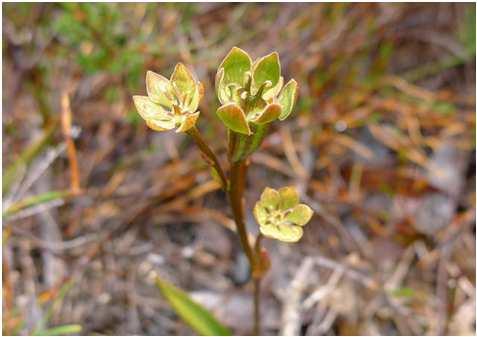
<point>287,98</point>
<point>235,64</point>
<point>11,173</point>
<point>403,292</point>
<point>70,329</point>
<point>266,69</point>
<point>196,316</point>
<point>34,201</point>
<point>234,118</point>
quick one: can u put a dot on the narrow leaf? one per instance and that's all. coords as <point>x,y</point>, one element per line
<point>70,329</point>
<point>35,200</point>
<point>196,316</point>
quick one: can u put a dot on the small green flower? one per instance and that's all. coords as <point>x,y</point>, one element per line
<point>252,92</point>
<point>280,214</point>
<point>170,104</point>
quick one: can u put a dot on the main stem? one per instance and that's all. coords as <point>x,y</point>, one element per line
<point>209,154</point>
<point>238,171</point>
<point>237,183</point>
<point>256,289</point>
<point>256,306</point>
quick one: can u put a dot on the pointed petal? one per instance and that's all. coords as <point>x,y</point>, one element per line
<point>195,99</point>
<point>233,117</point>
<point>160,125</point>
<point>183,81</point>
<point>158,89</point>
<point>146,108</point>
<point>288,197</point>
<point>265,69</point>
<point>300,215</point>
<point>270,197</point>
<point>269,114</point>
<point>235,64</point>
<point>283,233</point>
<point>260,213</point>
<point>287,98</point>
<point>188,122</point>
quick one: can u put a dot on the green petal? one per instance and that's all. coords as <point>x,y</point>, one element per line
<point>183,81</point>
<point>270,197</point>
<point>188,122</point>
<point>288,197</point>
<point>195,99</point>
<point>287,98</point>
<point>269,114</point>
<point>235,64</point>
<point>266,69</point>
<point>273,92</point>
<point>300,215</point>
<point>233,117</point>
<point>283,233</point>
<point>148,109</point>
<point>220,86</point>
<point>158,89</point>
<point>260,213</point>
<point>160,125</point>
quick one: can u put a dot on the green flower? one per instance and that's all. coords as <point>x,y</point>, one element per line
<point>170,104</point>
<point>280,215</point>
<point>252,92</point>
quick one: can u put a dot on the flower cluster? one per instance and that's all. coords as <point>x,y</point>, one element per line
<point>252,95</point>
<point>280,214</point>
<point>170,104</point>
<point>252,92</point>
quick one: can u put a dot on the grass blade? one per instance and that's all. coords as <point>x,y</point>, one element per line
<point>61,330</point>
<point>196,316</point>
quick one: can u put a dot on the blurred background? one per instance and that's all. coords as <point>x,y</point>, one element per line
<point>381,144</point>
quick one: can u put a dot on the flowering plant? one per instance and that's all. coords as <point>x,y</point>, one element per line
<point>252,96</point>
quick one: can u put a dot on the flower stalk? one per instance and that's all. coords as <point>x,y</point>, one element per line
<point>209,155</point>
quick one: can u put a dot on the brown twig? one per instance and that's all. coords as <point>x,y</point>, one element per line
<point>71,149</point>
